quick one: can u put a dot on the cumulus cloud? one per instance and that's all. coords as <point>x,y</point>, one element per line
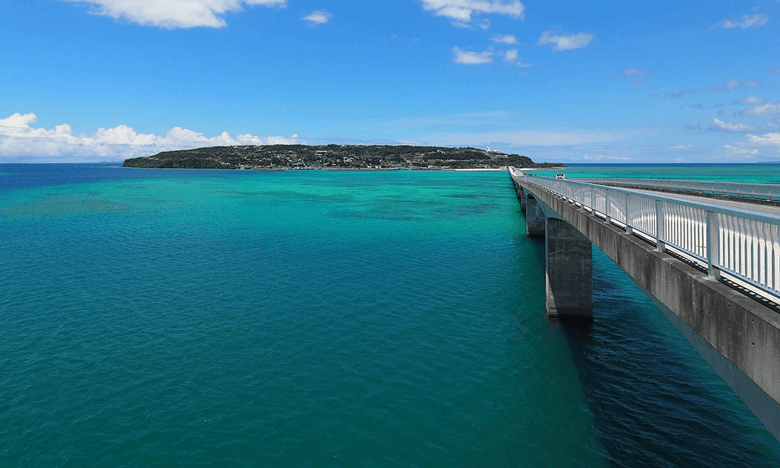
<point>570,42</point>
<point>739,151</point>
<point>173,14</point>
<point>318,17</point>
<point>463,10</point>
<point>747,22</point>
<point>770,108</point>
<point>466,57</point>
<point>511,56</point>
<point>749,101</point>
<point>20,139</point>
<point>601,157</point>
<point>634,72</point>
<point>733,84</point>
<point>683,92</point>
<point>766,139</point>
<point>504,39</point>
<point>681,147</point>
<point>721,126</point>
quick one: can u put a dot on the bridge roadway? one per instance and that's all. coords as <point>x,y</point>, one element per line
<point>734,205</point>
<point>736,333</point>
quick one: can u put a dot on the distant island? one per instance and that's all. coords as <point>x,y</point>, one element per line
<point>334,157</point>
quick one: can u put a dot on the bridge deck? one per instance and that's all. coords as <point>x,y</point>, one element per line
<point>734,205</point>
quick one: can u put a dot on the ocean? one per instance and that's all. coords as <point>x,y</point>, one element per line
<point>331,319</point>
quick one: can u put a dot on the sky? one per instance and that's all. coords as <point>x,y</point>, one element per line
<point>567,81</point>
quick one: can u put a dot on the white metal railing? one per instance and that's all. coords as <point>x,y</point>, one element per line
<point>736,189</point>
<point>741,243</point>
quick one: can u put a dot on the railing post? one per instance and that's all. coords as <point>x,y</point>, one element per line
<point>606,206</point>
<point>659,227</point>
<point>629,229</point>
<point>713,245</point>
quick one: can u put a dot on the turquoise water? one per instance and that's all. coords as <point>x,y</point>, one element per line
<point>309,318</point>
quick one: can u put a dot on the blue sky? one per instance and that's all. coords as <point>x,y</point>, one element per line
<point>571,81</point>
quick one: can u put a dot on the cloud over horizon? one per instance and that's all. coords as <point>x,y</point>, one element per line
<point>770,108</point>
<point>318,17</point>
<point>721,126</point>
<point>173,14</point>
<point>566,42</point>
<point>634,72</point>
<point>465,57</point>
<point>504,39</point>
<point>733,84</point>
<point>19,138</point>
<point>462,10</point>
<point>747,22</point>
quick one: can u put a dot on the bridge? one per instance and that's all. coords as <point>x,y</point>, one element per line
<point>709,260</point>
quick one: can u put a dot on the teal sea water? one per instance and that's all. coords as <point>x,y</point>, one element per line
<point>321,319</point>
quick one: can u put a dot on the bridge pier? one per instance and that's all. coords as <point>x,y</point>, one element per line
<point>534,218</point>
<point>568,273</point>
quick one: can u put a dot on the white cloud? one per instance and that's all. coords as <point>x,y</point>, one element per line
<point>770,108</point>
<point>18,138</point>
<point>739,151</point>
<point>747,22</point>
<point>721,126</point>
<point>749,101</point>
<point>484,24</point>
<point>559,43</point>
<point>601,157</point>
<point>510,56</point>
<point>504,39</point>
<point>530,138</point>
<point>683,93</point>
<point>318,17</point>
<point>462,10</point>
<point>466,57</point>
<point>173,14</point>
<point>767,139</point>
<point>681,147</point>
<point>733,84</point>
<point>632,72</point>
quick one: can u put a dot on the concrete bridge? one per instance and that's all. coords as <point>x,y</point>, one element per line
<point>711,266</point>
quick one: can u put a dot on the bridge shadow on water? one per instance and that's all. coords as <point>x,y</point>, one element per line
<point>655,401</point>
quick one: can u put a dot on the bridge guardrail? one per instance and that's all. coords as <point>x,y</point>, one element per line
<point>741,243</point>
<point>736,189</point>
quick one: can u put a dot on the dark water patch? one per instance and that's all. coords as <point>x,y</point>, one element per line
<point>66,204</point>
<point>383,215</point>
<point>474,209</point>
<point>654,399</point>
<point>470,196</point>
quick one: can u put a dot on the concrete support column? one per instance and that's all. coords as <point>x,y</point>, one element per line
<point>534,218</point>
<point>568,274</point>
<point>521,196</point>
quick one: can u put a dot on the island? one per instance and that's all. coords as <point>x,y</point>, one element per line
<point>334,157</point>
